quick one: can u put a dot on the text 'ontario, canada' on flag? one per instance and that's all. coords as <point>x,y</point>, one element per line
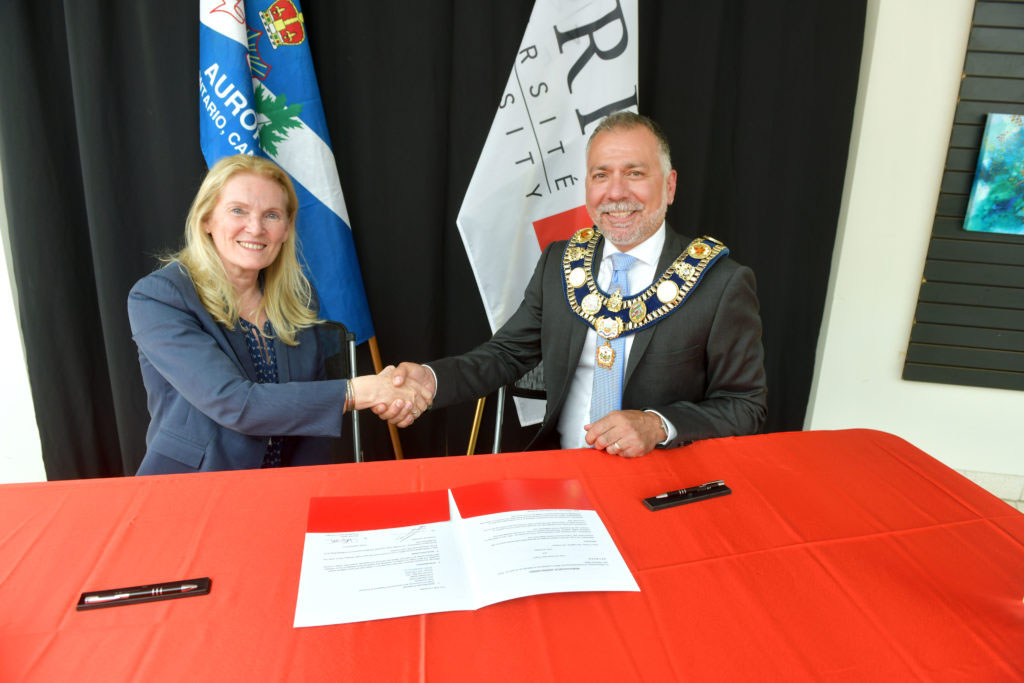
<point>576,64</point>
<point>258,95</point>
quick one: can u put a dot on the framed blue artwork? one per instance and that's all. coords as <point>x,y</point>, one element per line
<point>997,196</point>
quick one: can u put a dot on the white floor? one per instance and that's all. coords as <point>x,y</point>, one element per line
<point>1008,487</point>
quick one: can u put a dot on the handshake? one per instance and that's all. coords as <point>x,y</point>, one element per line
<point>397,395</point>
<point>400,395</point>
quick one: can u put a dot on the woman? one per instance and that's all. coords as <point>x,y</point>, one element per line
<point>232,365</point>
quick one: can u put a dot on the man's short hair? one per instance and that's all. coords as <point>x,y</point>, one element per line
<point>628,120</point>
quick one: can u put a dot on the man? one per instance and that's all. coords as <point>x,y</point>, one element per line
<point>660,349</point>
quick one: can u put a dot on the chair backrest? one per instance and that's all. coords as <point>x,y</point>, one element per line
<point>334,338</point>
<point>530,385</point>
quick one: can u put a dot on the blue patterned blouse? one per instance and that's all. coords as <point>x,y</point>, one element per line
<point>264,357</point>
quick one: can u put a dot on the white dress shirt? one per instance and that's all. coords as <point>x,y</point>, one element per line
<point>576,411</point>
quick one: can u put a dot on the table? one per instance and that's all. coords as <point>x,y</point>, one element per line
<point>846,555</point>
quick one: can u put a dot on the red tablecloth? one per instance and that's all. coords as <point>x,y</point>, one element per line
<point>839,556</point>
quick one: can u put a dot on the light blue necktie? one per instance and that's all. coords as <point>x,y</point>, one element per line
<point>607,393</point>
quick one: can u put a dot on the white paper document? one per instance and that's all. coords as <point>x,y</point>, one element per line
<point>376,557</point>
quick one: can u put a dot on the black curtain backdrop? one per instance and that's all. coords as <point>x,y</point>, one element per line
<point>100,158</point>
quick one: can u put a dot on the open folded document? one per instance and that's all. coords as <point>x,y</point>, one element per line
<point>376,557</point>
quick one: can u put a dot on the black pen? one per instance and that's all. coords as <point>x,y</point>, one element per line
<point>148,593</point>
<point>692,489</point>
<point>712,489</point>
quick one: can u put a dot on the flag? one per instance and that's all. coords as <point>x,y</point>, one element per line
<point>576,64</point>
<point>258,95</point>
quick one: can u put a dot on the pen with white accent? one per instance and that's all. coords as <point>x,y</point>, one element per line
<point>692,489</point>
<point>150,592</point>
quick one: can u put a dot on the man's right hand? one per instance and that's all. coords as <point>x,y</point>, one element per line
<point>416,373</point>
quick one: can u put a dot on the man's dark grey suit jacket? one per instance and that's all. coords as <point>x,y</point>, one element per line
<point>702,367</point>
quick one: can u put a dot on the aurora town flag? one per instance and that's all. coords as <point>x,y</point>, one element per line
<point>576,64</point>
<point>258,95</point>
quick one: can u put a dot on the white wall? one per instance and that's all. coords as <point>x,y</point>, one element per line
<point>21,457</point>
<point>910,78</point>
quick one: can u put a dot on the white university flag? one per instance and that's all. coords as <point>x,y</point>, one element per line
<point>576,64</point>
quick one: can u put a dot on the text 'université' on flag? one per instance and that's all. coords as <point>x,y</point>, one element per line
<point>576,64</point>
<point>258,94</point>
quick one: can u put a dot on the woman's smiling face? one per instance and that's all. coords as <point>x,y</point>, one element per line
<point>248,224</point>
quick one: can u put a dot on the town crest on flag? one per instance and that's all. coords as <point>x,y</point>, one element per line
<point>283,23</point>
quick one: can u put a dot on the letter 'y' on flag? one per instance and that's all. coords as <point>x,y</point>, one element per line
<point>576,64</point>
<point>258,95</point>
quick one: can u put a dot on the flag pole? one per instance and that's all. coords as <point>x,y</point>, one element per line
<point>475,432</point>
<point>378,366</point>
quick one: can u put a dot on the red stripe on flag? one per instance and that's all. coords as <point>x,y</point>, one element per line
<point>561,226</point>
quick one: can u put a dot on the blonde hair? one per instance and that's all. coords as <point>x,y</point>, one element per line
<point>287,294</point>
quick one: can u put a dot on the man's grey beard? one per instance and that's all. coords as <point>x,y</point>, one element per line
<point>647,227</point>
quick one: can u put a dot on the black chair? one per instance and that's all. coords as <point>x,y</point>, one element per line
<point>340,362</point>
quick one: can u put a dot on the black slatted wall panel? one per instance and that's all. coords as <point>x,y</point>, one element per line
<point>969,324</point>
